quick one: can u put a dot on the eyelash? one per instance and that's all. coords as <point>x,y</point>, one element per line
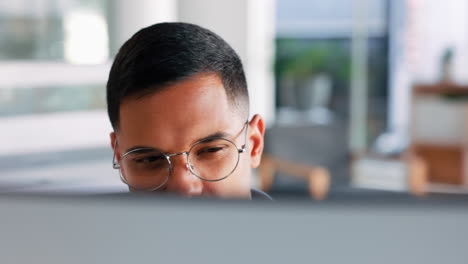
<point>209,150</point>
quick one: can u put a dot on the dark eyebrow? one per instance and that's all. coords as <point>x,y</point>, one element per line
<point>213,136</point>
<point>208,138</point>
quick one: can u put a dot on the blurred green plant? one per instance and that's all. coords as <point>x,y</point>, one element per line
<point>299,59</point>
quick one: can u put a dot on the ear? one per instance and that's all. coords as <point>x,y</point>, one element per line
<point>255,136</point>
<point>113,138</point>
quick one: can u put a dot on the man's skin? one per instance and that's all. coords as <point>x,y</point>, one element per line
<point>179,115</point>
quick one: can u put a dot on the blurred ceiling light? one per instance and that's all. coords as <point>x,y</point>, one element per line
<point>86,37</point>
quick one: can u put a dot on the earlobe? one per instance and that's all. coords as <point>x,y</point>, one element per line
<point>256,133</point>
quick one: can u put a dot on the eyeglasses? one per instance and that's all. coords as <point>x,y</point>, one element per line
<point>211,159</point>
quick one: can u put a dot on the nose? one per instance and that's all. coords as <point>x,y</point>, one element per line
<point>181,180</point>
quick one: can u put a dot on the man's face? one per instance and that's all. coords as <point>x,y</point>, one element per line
<point>175,118</point>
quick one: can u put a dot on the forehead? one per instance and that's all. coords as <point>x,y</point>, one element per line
<point>178,114</point>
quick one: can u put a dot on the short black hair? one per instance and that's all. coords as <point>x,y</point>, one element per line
<point>164,53</point>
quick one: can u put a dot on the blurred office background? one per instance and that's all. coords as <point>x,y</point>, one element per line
<point>370,92</point>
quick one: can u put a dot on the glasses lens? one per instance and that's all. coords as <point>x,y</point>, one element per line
<point>145,169</point>
<point>213,159</point>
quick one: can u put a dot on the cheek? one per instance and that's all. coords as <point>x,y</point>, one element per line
<point>236,185</point>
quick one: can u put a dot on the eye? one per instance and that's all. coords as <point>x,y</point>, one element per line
<point>210,150</point>
<point>149,159</point>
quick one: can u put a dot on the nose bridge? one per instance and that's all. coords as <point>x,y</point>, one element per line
<point>181,179</point>
<point>171,156</point>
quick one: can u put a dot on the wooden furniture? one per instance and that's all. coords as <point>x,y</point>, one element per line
<point>417,175</point>
<point>439,134</point>
<point>318,178</point>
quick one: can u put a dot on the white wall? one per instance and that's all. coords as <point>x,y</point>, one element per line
<point>127,17</point>
<point>441,24</point>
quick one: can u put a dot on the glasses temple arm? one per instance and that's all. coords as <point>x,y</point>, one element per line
<point>244,147</point>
